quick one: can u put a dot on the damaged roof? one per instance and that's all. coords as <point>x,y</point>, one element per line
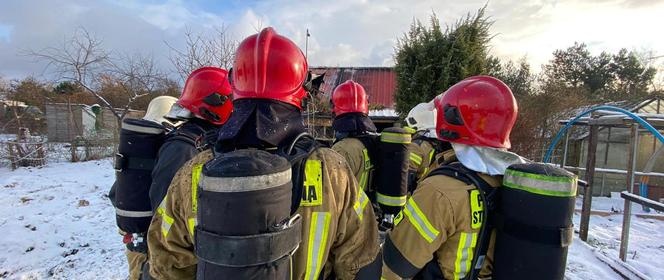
<point>380,83</point>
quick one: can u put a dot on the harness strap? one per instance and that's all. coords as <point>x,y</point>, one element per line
<point>486,192</point>
<point>136,163</point>
<point>250,250</point>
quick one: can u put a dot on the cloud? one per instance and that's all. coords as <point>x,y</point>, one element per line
<point>343,32</point>
<point>6,32</point>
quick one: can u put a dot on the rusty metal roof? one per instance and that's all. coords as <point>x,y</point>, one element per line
<point>379,82</point>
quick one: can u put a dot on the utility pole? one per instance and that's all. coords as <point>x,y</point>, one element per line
<point>306,44</point>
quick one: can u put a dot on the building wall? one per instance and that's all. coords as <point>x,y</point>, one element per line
<point>66,122</point>
<point>63,122</point>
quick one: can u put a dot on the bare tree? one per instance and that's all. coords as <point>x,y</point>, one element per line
<point>83,60</point>
<point>201,50</point>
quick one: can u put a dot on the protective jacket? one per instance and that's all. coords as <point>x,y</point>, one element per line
<point>339,233</point>
<point>425,156</point>
<point>436,233</point>
<point>359,160</point>
<point>422,154</point>
<point>180,146</point>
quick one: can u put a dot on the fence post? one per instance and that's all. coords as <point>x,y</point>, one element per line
<point>624,235</point>
<point>590,178</point>
<point>12,156</point>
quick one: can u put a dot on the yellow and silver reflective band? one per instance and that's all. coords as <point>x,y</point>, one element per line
<point>362,201</point>
<point>318,231</point>
<point>391,137</point>
<point>391,200</point>
<point>166,220</point>
<point>133,214</point>
<point>420,221</point>
<point>540,184</point>
<point>464,256</point>
<point>415,158</point>
<point>195,177</point>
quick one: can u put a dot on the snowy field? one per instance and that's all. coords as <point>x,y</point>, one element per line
<point>56,222</point>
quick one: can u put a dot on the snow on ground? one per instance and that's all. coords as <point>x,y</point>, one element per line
<point>57,222</point>
<point>646,242</point>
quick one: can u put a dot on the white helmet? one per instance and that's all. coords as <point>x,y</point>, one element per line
<point>423,118</point>
<point>158,107</point>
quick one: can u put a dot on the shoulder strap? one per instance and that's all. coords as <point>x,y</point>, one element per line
<point>370,143</point>
<point>194,138</point>
<point>487,194</point>
<point>297,154</point>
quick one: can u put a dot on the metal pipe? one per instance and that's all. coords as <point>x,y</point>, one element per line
<point>616,171</point>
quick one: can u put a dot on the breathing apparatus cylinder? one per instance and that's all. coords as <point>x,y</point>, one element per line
<point>533,222</point>
<point>245,229</point>
<point>392,172</point>
<point>140,141</point>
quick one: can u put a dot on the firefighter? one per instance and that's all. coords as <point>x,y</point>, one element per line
<point>355,134</point>
<point>203,106</point>
<point>150,131</point>
<point>427,152</point>
<point>437,234</point>
<point>338,236</point>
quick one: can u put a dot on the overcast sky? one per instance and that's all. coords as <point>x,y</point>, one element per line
<point>343,32</point>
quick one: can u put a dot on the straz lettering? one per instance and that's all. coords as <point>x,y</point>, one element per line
<point>309,193</point>
<point>476,209</point>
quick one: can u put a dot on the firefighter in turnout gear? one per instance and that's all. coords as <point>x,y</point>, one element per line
<point>427,152</point>
<point>203,106</point>
<point>130,192</point>
<point>355,133</point>
<point>440,232</point>
<point>369,155</point>
<point>337,234</point>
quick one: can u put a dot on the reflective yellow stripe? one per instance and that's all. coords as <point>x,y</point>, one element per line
<point>391,200</point>
<point>166,222</point>
<point>464,255</point>
<point>367,160</point>
<point>195,176</point>
<point>192,225</point>
<point>431,154</point>
<point>364,174</point>
<point>362,201</point>
<point>420,221</point>
<point>409,129</point>
<point>391,137</point>
<point>415,158</point>
<point>318,230</point>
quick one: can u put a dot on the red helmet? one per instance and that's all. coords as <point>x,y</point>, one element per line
<point>207,95</point>
<point>269,66</point>
<point>478,111</point>
<point>350,97</point>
